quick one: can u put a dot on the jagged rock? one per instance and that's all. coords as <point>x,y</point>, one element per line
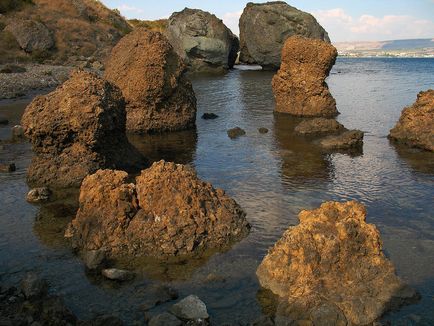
<point>33,287</point>
<point>31,35</point>
<point>117,274</point>
<point>6,168</point>
<point>331,268</point>
<point>263,130</point>
<point>299,86</point>
<point>164,319</point>
<point>169,211</point>
<point>151,76</point>
<point>76,130</point>
<point>94,259</point>
<point>348,140</point>
<point>38,195</point>
<point>202,40</point>
<point>415,127</point>
<point>190,308</point>
<point>264,28</point>
<point>236,132</point>
<point>209,116</point>
<point>319,127</point>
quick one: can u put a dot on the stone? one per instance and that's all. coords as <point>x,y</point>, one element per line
<point>330,269</point>
<point>202,40</point>
<point>117,274</point>
<point>264,28</point>
<point>158,294</point>
<point>164,319</point>
<point>152,78</point>
<point>17,133</point>
<point>31,35</point>
<point>7,168</point>
<point>33,287</point>
<point>263,130</point>
<point>38,195</point>
<point>190,308</point>
<point>169,211</point>
<point>98,66</point>
<point>415,127</point>
<point>76,130</point>
<point>299,86</point>
<point>236,132</point>
<point>104,320</point>
<point>319,127</point>
<point>94,259</point>
<point>348,140</point>
<point>209,116</point>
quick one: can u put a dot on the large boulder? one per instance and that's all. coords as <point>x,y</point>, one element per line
<point>76,130</point>
<point>415,127</point>
<point>31,35</point>
<point>169,211</point>
<point>264,28</point>
<point>331,267</point>
<point>299,86</point>
<point>151,76</point>
<point>202,40</point>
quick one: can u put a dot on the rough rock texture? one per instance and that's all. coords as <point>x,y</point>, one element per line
<point>319,127</point>
<point>76,130</point>
<point>202,40</point>
<point>169,211</point>
<point>151,76</point>
<point>164,319</point>
<point>351,139</point>
<point>299,86</point>
<point>331,267</point>
<point>265,27</point>
<point>190,308</point>
<point>31,35</point>
<point>38,195</point>
<point>416,125</point>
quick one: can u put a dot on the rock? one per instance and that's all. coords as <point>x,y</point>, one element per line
<point>33,287</point>
<point>117,274</point>
<point>6,168</point>
<point>17,133</point>
<point>31,35</point>
<point>158,294</point>
<point>38,195</point>
<point>236,132</point>
<point>190,308</point>
<point>265,27</point>
<point>164,319</point>
<point>319,127</point>
<point>151,76</point>
<point>12,69</point>
<point>263,130</point>
<point>98,66</point>
<point>76,130</point>
<point>415,127</point>
<point>3,120</point>
<point>202,40</point>
<point>330,269</point>
<point>94,259</point>
<point>299,86</point>
<point>348,140</point>
<point>104,320</point>
<point>209,116</point>
<point>169,211</point>
<point>263,321</point>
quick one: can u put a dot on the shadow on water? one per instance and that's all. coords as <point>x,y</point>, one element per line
<point>418,160</point>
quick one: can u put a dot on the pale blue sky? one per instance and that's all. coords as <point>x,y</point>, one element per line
<point>345,20</point>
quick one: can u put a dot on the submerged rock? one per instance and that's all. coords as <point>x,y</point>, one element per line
<point>264,28</point>
<point>169,211</point>
<point>236,132</point>
<point>164,319</point>
<point>117,274</point>
<point>415,127</point>
<point>33,287</point>
<point>263,130</point>
<point>209,116</point>
<point>76,130</point>
<point>348,140</point>
<point>202,40</point>
<point>299,86</point>
<point>319,127</point>
<point>7,168</point>
<point>94,259</point>
<point>151,76</point>
<point>190,308</point>
<point>31,35</point>
<point>331,268</point>
<point>17,133</point>
<point>38,195</point>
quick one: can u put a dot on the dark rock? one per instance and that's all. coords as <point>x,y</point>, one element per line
<point>104,320</point>
<point>31,35</point>
<point>263,321</point>
<point>348,140</point>
<point>6,168</point>
<point>202,40</point>
<point>263,130</point>
<point>94,259</point>
<point>117,274</point>
<point>38,195</point>
<point>265,27</point>
<point>236,132</point>
<point>18,133</point>
<point>190,308</point>
<point>33,287</point>
<point>158,294</point>
<point>319,127</point>
<point>209,116</point>
<point>164,319</point>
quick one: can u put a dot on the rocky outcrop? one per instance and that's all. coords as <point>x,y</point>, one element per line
<point>31,35</point>
<point>169,211</point>
<point>202,40</point>
<point>151,76</point>
<point>299,86</point>
<point>319,127</point>
<point>415,127</point>
<point>331,267</point>
<point>76,130</point>
<point>264,28</point>
<point>348,140</point>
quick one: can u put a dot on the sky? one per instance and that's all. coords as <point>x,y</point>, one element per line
<point>345,20</point>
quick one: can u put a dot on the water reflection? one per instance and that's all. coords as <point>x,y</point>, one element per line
<point>419,160</point>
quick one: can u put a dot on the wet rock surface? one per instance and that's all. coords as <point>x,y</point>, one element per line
<point>263,130</point>
<point>236,132</point>
<point>415,127</point>
<point>190,308</point>
<point>330,268</point>
<point>38,195</point>
<point>319,127</point>
<point>202,40</point>
<point>7,167</point>
<point>348,140</point>
<point>116,274</point>
<point>209,116</point>
<point>299,86</point>
<point>169,211</point>
<point>77,129</point>
<point>31,35</point>
<point>164,319</point>
<point>276,21</point>
<point>151,77</point>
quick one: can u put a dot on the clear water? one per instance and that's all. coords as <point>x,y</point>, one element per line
<point>272,176</point>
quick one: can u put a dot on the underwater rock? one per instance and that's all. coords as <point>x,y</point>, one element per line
<point>236,132</point>
<point>209,116</point>
<point>17,133</point>
<point>190,308</point>
<point>7,168</point>
<point>263,130</point>
<point>117,274</point>
<point>33,287</point>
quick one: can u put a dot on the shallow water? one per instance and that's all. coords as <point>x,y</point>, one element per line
<point>272,176</point>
